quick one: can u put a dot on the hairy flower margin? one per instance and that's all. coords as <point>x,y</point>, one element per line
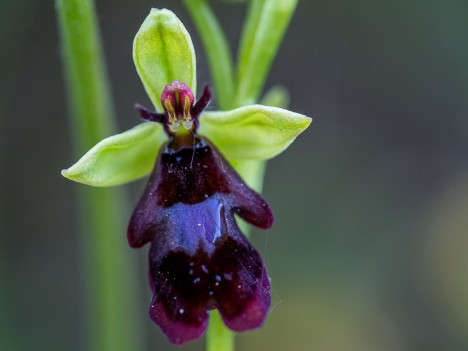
<point>199,259</point>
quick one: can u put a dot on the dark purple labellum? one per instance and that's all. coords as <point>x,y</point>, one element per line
<point>199,259</point>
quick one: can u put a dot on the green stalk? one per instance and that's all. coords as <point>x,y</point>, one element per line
<point>110,288</point>
<point>217,51</point>
<point>263,31</point>
<point>218,337</point>
<point>89,93</point>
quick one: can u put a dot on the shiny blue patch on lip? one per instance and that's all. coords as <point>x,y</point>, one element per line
<point>213,217</point>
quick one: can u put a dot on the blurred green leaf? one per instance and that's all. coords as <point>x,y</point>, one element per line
<point>262,34</point>
<point>253,132</point>
<point>277,96</point>
<point>120,158</point>
<point>163,52</point>
<point>217,50</point>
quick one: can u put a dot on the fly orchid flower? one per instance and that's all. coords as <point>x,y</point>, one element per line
<point>199,259</point>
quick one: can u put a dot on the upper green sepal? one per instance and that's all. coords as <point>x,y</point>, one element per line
<point>254,132</point>
<point>163,52</point>
<point>120,158</point>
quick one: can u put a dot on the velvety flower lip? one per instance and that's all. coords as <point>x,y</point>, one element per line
<point>190,176</point>
<point>199,259</point>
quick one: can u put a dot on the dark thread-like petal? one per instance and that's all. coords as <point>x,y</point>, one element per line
<point>202,102</point>
<point>179,107</point>
<point>150,116</point>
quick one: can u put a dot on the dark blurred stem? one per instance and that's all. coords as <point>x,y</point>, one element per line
<point>7,330</point>
<point>111,295</point>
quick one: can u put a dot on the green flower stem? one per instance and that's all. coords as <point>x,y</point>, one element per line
<point>217,51</point>
<point>110,295</point>
<point>263,31</point>
<point>218,337</point>
<point>92,115</point>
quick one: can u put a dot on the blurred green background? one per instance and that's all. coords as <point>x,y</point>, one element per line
<point>370,246</point>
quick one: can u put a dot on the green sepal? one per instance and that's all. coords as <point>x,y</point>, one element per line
<point>254,132</point>
<point>120,158</point>
<point>163,52</point>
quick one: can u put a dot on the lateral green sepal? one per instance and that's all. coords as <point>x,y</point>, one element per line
<point>254,132</point>
<point>120,158</point>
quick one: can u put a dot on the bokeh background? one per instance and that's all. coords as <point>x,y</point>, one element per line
<point>370,246</point>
